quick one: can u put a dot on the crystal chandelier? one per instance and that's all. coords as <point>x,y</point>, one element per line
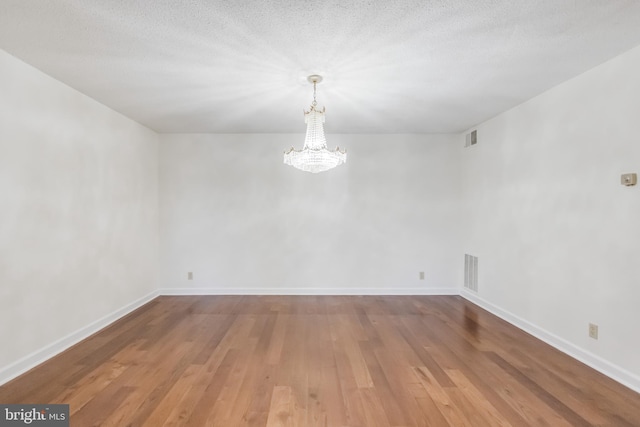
<point>314,156</point>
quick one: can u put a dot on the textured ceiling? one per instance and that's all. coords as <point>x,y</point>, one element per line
<point>390,66</point>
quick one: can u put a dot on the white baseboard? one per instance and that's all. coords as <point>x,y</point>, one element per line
<point>309,291</point>
<point>607,368</point>
<point>37,357</point>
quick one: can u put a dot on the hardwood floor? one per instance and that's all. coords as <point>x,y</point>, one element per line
<point>321,361</point>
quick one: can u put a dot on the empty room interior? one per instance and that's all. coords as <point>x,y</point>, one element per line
<point>280,213</point>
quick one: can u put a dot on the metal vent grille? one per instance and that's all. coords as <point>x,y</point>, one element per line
<point>471,272</point>
<point>471,139</point>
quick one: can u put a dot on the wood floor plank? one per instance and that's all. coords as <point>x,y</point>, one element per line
<point>258,410</point>
<point>578,386</point>
<point>281,409</point>
<point>451,354</point>
<point>235,397</point>
<point>247,376</point>
<point>341,333</point>
<point>425,357</point>
<point>392,409</point>
<point>429,415</point>
<point>101,407</point>
<point>163,410</point>
<point>203,407</point>
<point>482,407</point>
<point>236,334</point>
<point>455,416</point>
<point>526,403</point>
<point>349,387</point>
<point>275,346</point>
<point>401,379</point>
<point>324,402</point>
<point>374,413</point>
<point>330,361</point>
<point>80,393</point>
<point>551,401</point>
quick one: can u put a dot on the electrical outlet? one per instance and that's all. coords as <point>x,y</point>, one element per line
<point>593,331</point>
<point>190,275</point>
<point>629,179</point>
<point>422,275</point>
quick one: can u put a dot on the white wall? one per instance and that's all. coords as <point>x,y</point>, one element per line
<point>243,222</point>
<point>78,216</point>
<point>556,234</point>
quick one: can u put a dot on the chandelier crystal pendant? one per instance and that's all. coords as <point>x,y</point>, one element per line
<point>314,156</point>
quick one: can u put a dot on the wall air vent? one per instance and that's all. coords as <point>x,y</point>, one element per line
<point>471,139</point>
<point>471,272</point>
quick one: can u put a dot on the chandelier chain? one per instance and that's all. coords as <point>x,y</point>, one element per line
<point>314,103</point>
